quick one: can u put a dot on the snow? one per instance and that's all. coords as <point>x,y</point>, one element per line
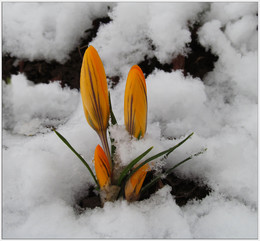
<point>148,25</point>
<point>57,105</point>
<point>42,178</point>
<point>206,218</point>
<point>52,34</point>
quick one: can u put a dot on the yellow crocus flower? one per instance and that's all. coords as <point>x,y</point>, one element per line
<point>134,184</point>
<point>103,170</point>
<point>94,93</point>
<point>135,103</point>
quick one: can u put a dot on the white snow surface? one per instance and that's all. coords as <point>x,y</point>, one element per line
<point>42,178</point>
<point>47,30</point>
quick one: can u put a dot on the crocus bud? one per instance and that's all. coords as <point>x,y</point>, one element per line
<point>135,103</point>
<point>94,93</point>
<point>134,184</point>
<point>102,167</point>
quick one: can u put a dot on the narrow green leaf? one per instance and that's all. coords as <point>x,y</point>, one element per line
<point>113,122</point>
<point>131,164</point>
<point>122,188</point>
<point>8,80</point>
<point>201,152</point>
<point>113,147</point>
<point>179,144</point>
<point>168,171</point>
<point>154,180</point>
<point>166,153</point>
<point>139,136</point>
<point>77,154</point>
<point>113,118</point>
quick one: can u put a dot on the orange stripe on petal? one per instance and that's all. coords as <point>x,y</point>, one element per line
<point>135,102</point>
<point>102,166</point>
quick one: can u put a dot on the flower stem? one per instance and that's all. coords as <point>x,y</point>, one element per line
<point>103,137</point>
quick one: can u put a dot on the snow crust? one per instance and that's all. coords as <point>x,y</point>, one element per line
<point>42,178</point>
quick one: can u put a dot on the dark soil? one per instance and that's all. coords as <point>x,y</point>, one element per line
<point>91,200</point>
<point>197,63</point>
<point>183,190</point>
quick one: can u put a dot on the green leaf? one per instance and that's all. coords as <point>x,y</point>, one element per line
<point>113,122</point>
<point>77,154</point>
<point>8,80</point>
<point>166,153</point>
<point>113,147</point>
<point>168,171</point>
<point>113,118</point>
<point>131,164</point>
<point>154,180</point>
<point>122,188</point>
<point>140,134</point>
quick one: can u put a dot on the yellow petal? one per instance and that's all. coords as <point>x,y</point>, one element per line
<point>94,92</point>
<point>134,184</point>
<point>135,103</point>
<point>102,166</point>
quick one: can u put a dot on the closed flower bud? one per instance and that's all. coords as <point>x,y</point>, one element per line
<point>102,167</point>
<point>94,93</point>
<point>135,103</point>
<point>134,184</point>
